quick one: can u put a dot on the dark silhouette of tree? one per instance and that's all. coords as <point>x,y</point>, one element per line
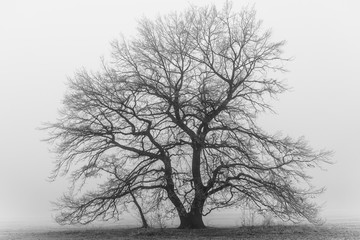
<point>172,117</point>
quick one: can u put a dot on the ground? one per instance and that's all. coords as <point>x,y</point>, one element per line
<point>298,232</point>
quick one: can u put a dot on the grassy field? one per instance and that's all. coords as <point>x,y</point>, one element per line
<point>300,232</point>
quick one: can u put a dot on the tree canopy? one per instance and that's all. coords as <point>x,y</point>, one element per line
<point>171,118</point>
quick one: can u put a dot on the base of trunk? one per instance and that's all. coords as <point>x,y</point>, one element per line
<point>191,222</point>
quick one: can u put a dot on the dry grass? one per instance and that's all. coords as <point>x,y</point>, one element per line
<point>300,232</point>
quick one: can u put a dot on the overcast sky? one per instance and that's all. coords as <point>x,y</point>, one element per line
<point>44,42</point>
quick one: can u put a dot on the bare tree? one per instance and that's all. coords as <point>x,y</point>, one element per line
<point>173,116</point>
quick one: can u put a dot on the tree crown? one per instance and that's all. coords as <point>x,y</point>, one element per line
<point>173,115</point>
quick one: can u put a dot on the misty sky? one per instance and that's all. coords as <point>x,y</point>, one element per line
<point>44,42</point>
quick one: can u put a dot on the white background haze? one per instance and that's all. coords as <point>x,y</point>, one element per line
<point>44,42</point>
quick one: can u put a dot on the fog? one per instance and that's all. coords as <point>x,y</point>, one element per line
<point>44,42</point>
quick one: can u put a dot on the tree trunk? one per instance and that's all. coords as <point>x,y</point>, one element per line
<point>142,216</point>
<point>192,220</point>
